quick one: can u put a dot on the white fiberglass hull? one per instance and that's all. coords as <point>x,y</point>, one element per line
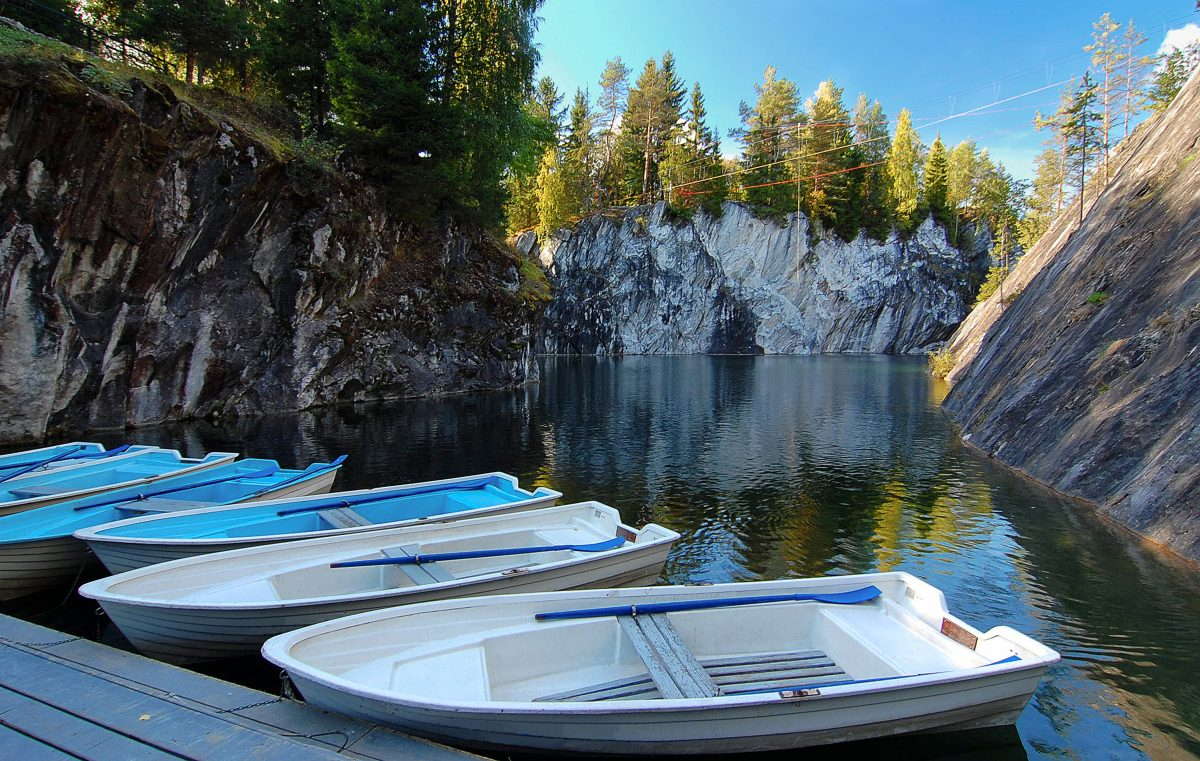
<point>39,564</point>
<point>120,554</point>
<point>704,729</point>
<point>220,624</point>
<point>487,673</point>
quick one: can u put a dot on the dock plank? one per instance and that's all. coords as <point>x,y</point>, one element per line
<point>100,699</point>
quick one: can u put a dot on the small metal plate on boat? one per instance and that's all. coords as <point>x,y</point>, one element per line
<point>811,692</point>
<point>514,571</point>
<point>626,534</point>
<point>959,634</point>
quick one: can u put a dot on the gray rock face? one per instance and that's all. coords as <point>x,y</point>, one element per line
<point>157,263</point>
<point>1088,381</point>
<point>640,283</point>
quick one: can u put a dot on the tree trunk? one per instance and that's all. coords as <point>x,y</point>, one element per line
<point>191,67</point>
<point>646,168</point>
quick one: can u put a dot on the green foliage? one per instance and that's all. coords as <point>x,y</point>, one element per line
<point>556,202</point>
<point>768,135</point>
<point>934,181</point>
<point>1097,298</point>
<point>870,189</point>
<point>1042,201</point>
<point>827,188</point>
<point>648,128</point>
<point>941,362</point>
<point>995,278</point>
<point>902,171</point>
<point>1174,69</point>
<point>294,49</point>
<point>691,169</point>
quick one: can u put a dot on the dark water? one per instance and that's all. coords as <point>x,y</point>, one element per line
<point>790,466</point>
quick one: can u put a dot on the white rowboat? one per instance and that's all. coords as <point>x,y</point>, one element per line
<point>228,603</point>
<point>717,670</point>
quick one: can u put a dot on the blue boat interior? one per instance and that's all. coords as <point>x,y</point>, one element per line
<point>327,512</point>
<point>217,485</point>
<point>152,463</point>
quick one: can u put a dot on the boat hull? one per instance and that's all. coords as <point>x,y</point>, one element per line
<point>768,726</point>
<point>27,567</point>
<point>33,566</point>
<point>189,634</point>
<point>121,554</point>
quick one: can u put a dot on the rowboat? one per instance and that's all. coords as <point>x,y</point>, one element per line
<point>226,604</point>
<point>37,549</point>
<point>138,542</point>
<point>670,670</point>
<point>18,464</point>
<point>23,489</point>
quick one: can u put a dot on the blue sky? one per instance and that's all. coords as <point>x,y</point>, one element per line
<point>934,57</point>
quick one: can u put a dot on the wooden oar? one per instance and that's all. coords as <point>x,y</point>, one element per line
<point>35,465</point>
<point>142,496</point>
<point>434,557</point>
<point>840,598</point>
<point>365,500</point>
<point>308,472</point>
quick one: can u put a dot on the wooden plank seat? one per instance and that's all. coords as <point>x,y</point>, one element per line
<point>728,676</point>
<point>423,573</point>
<point>343,517</point>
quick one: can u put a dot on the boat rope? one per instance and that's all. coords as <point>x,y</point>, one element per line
<point>248,706</point>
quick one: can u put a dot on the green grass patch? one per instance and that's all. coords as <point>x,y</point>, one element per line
<point>535,286</point>
<point>1098,298</point>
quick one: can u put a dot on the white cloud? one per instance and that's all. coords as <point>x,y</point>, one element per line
<point>1180,38</point>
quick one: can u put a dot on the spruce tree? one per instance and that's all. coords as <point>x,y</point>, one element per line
<point>871,183</point>
<point>826,156</point>
<point>934,182</point>
<point>1080,128</point>
<point>768,136</point>
<point>294,50</point>
<point>578,153</point>
<point>903,156</point>
<point>649,125</point>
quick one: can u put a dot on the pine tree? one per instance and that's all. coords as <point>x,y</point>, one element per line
<point>827,138</point>
<point>871,183</point>
<point>692,163</point>
<point>649,125</point>
<point>1080,128</point>
<point>578,153</point>
<point>540,132</point>
<point>1133,95</point>
<point>614,94</point>
<point>381,81</point>
<point>1043,201</point>
<point>1174,69</point>
<point>1108,60</point>
<point>294,50</point>
<point>768,139</point>
<point>934,183</point>
<point>902,171</point>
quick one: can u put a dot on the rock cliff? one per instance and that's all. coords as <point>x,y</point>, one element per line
<point>159,262</point>
<point>1088,379</point>
<point>641,282</point>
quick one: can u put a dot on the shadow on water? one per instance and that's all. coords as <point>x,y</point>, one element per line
<point>773,467</point>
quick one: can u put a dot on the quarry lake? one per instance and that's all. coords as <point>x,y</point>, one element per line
<point>800,466</point>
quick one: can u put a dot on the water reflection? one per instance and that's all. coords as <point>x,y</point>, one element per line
<point>792,466</point>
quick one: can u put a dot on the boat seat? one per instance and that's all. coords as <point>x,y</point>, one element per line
<point>163,505</point>
<point>46,490</point>
<point>673,669</point>
<point>343,517</point>
<point>760,672</point>
<point>425,573</point>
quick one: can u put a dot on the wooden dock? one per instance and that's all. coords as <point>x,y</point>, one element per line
<point>63,697</point>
